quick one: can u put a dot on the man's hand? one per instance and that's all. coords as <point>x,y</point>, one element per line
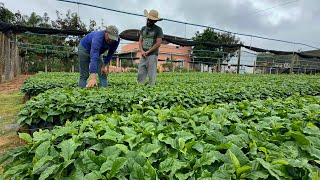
<point>93,81</point>
<point>143,53</point>
<point>103,69</point>
<point>147,52</point>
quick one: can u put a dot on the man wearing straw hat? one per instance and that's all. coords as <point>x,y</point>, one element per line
<point>149,42</point>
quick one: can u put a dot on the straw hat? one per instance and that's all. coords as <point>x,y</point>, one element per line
<point>153,15</point>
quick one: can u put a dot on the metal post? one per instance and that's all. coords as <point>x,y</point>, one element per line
<point>238,65</point>
<point>46,62</point>
<point>292,63</point>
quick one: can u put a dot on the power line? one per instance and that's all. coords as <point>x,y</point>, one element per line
<point>273,7</point>
<point>191,24</point>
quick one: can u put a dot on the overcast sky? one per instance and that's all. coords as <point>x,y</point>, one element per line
<point>296,21</point>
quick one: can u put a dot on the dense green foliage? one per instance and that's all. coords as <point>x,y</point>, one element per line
<point>271,139</point>
<point>188,90</point>
<point>188,126</point>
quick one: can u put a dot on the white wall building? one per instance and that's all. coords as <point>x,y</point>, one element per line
<point>248,60</point>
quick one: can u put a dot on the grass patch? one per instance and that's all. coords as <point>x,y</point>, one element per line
<point>10,104</point>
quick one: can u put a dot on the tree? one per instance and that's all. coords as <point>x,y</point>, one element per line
<point>35,54</point>
<point>209,35</point>
<point>6,15</point>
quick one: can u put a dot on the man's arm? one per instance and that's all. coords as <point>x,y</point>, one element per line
<point>140,46</point>
<point>94,58</point>
<point>95,53</point>
<point>155,46</point>
<point>111,51</point>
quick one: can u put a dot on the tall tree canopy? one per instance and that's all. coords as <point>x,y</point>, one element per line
<point>209,35</point>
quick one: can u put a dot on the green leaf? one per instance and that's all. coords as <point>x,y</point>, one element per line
<point>151,170</point>
<point>41,136</point>
<point>12,154</point>
<point>117,164</point>
<point>235,161</point>
<point>44,116</point>
<point>77,175</point>
<point>276,171</point>
<point>112,135</point>
<point>123,148</point>
<point>42,150</point>
<point>148,149</point>
<point>137,172</point>
<point>199,147</point>
<point>98,147</point>
<point>242,169</point>
<point>111,152</point>
<point>15,170</point>
<point>89,161</point>
<point>256,175</point>
<point>183,176</point>
<point>39,164</point>
<point>283,162</point>
<point>25,137</point>
<point>172,165</point>
<point>93,175</point>
<point>106,166</point>
<point>314,175</point>
<point>300,138</point>
<point>313,151</point>
<point>221,175</point>
<point>205,159</point>
<point>67,148</point>
<point>46,173</point>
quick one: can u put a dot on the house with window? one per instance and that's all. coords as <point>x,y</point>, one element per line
<point>177,57</point>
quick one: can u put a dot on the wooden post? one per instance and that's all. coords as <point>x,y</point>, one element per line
<point>292,63</point>
<point>7,57</point>
<point>17,58</point>
<point>46,62</point>
<point>297,62</point>
<point>11,57</point>
<point>305,70</point>
<point>117,65</point>
<point>72,69</point>
<point>1,54</point>
<point>238,65</point>
<point>254,67</point>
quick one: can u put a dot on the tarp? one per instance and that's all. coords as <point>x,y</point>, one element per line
<point>133,35</point>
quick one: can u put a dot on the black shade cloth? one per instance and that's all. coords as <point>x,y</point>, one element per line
<point>133,35</point>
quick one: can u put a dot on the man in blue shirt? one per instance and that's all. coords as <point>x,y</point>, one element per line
<point>89,50</point>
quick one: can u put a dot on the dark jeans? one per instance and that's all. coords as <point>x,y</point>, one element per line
<point>84,58</point>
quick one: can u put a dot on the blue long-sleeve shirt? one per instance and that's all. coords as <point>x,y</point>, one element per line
<point>96,44</point>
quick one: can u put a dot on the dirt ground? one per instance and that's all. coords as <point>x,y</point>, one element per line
<point>14,84</point>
